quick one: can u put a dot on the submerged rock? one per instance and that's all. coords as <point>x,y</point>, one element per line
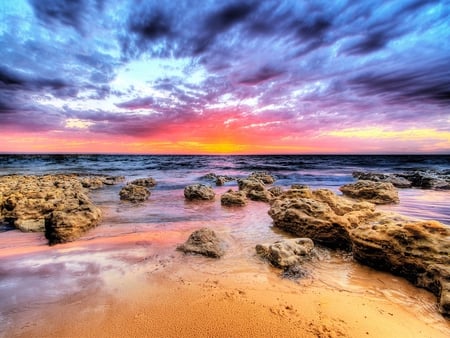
<point>233,198</point>
<point>199,192</point>
<point>416,250</point>
<point>374,192</point>
<point>134,193</point>
<point>56,204</point>
<point>262,176</point>
<point>218,179</point>
<point>204,242</point>
<point>148,182</point>
<point>424,179</point>
<point>286,253</point>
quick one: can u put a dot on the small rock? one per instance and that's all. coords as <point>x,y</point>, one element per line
<point>233,198</point>
<point>204,242</point>
<point>286,253</point>
<point>374,192</point>
<point>199,192</point>
<point>260,195</point>
<point>148,182</point>
<point>134,193</point>
<point>262,176</point>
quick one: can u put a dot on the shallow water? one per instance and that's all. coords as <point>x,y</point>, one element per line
<point>135,241</point>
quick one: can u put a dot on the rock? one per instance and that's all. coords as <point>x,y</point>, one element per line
<point>97,181</point>
<point>286,253</point>
<point>276,191</point>
<point>374,192</point>
<point>399,182</point>
<point>262,176</point>
<point>70,222</point>
<point>134,193</point>
<point>247,185</point>
<point>198,192</point>
<point>418,251</point>
<point>428,179</point>
<point>307,217</point>
<point>424,179</point>
<point>56,204</point>
<point>233,198</point>
<point>204,242</point>
<point>299,186</point>
<point>260,195</point>
<point>148,182</point>
<point>218,179</point>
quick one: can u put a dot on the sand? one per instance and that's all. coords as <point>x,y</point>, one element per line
<point>162,299</point>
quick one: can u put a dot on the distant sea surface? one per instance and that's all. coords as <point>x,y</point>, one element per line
<point>174,172</point>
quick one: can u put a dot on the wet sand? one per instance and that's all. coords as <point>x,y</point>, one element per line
<point>133,286</point>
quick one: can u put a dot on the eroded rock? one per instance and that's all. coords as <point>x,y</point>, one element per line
<point>286,253</point>
<point>204,242</point>
<point>374,192</point>
<point>199,192</point>
<point>233,198</point>
<point>262,176</point>
<point>134,193</point>
<point>416,250</point>
<point>47,202</point>
<point>148,182</point>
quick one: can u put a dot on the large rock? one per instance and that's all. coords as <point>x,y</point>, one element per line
<point>198,192</point>
<point>247,185</point>
<point>416,250</point>
<point>233,198</point>
<point>374,192</point>
<point>204,242</point>
<point>47,202</point>
<point>286,253</point>
<point>134,193</point>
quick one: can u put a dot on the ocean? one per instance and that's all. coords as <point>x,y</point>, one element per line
<point>134,246</point>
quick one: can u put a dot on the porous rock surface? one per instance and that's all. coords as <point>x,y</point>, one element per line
<point>148,182</point>
<point>134,193</point>
<point>56,204</point>
<point>199,192</point>
<point>416,250</point>
<point>205,242</point>
<point>374,192</point>
<point>286,253</point>
<point>233,198</point>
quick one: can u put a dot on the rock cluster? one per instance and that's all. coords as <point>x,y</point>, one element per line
<point>416,250</point>
<point>424,179</point>
<point>199,192</point>
<point>204,242</point>
<point>56,204</point>
<point>148,182</point>
<point>219,179</point>
<point>254,186</point>
<point>374,192</point>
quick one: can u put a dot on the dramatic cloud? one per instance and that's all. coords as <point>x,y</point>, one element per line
<point>225,76</point>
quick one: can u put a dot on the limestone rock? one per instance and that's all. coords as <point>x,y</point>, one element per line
<point>148,182</point>
<point>204,242</point>
<point>418,251</point>
<point>198,192</point>
<point>218,179</point>
<point>286,253</point>
<point>134,193</point>
<point>397,181</point>
<point>307,217</point>
<point>57,204</point>
<point>375,192</point>
<point>260,195</point>
<point>262,176</point>
<point>233,198</point>
<point>247,185</point>
<point>276,191</point>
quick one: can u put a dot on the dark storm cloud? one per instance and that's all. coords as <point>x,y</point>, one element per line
<point>425,83</point>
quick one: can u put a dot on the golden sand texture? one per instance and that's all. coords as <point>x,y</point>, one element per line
<point>189,305</point>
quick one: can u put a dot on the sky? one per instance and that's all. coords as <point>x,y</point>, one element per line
<point>225,77</point>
